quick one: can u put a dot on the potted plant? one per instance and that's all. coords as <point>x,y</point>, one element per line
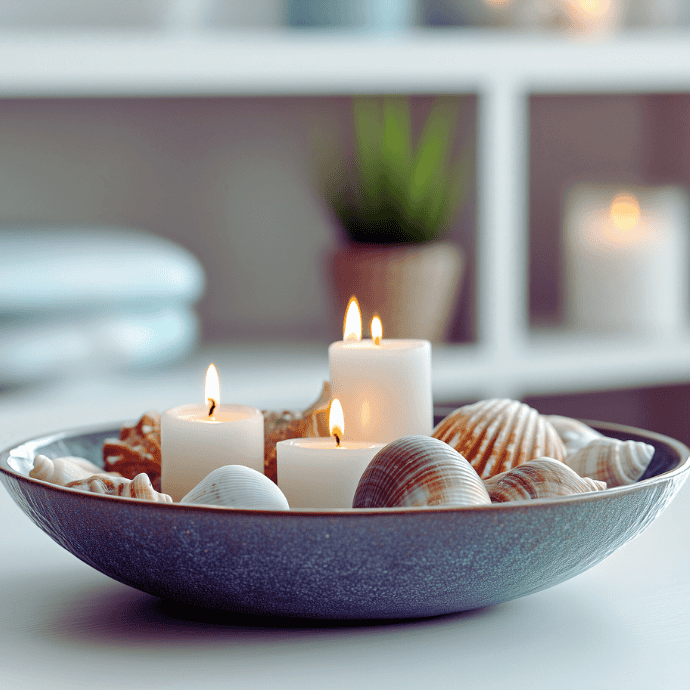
<point>394,201</point>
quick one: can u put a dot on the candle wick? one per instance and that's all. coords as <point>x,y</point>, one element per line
<point>213,407</point>
<point>337,440</point>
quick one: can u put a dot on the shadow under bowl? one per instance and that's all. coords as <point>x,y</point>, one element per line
<point>356,564</point>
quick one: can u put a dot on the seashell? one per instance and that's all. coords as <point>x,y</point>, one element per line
<point>63,470</point>
<point>574,433</point>
<point>140,487</point>
<point>417,471</point>
<point>539,478</point>
<point>137,450</point>
<point>615,462</point>
<point>237,486</point>
<point>498,434</point>
<point>279,426</point>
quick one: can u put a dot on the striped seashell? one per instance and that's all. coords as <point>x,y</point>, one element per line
<point>615,462</point>
<point>574,433</point>
<point>417,471</point>
<point>62,471</point>
<point>140,487</point>
<point>498,434</point>
<point>539,478</point>
<point>237,486</point>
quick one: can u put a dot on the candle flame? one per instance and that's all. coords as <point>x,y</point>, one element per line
<point>212,389</point>
<point>376,329</point>
<point>596,8</point>
<point>625,211</point>
<point>352,330</point>
<point>336,421</point>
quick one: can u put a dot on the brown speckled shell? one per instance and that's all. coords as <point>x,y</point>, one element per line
<point>498,434</point>
<point>139,487</point>
<point>615,462</point>
<point>417,471</point>
<point>540,478</point>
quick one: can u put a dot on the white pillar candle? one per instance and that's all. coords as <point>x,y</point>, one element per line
<point>626,259</point>
<point>316,473</point>
<point>384,385</point>
<point>323,473</point>
<point>197,439</point>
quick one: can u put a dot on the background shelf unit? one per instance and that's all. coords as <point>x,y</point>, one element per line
<point>502,69</point>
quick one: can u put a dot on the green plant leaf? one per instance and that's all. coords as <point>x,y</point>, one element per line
<point>368,135</point>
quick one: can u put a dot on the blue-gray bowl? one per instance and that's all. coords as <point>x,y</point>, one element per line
<point>360,564</point>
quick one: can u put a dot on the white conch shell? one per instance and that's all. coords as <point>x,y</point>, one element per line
<point>417,471</point>
<point>615,462</point>
<point>63,470</point>
<point>540,478</point>
<point>574,433</point>
<point>498,434</point>
<point>140,487</point>
<point>237,486</point>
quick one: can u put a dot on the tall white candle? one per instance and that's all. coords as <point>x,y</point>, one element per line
<point>626,259</point>
<point>197,439</point>
<point>323,473</point>
<point>384,385</point>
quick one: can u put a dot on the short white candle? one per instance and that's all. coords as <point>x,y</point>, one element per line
<point>384,386</point>
<point>194,442</point>
<point>626,259</point>
<point>323,473</point>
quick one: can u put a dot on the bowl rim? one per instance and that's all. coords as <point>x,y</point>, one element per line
<point>352,513</point>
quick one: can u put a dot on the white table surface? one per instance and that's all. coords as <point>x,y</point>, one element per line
<point>623,624</point>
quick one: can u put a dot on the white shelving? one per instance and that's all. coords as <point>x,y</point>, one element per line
<point>503,69</point>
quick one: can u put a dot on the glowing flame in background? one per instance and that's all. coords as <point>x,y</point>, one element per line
<point>352,330</point>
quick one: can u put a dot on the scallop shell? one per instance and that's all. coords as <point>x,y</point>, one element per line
<point>62,471</point>
<point>419,471</point>
<point>139,487</point>
<point>540,478</point>
<point>237,486</point>
<point>574,433</point>
<point>279,426</point>
<point>498,434</point>
<point>615,462</point>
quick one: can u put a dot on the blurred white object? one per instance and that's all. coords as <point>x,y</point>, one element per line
<point>84,300</point>
<point>626,259</point>
<point>48,349</point>
<point>76,269</point>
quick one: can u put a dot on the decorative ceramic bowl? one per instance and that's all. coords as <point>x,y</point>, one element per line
<point>358,564</point>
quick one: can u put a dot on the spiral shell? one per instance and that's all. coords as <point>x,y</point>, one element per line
<point>498,434</point>
<point>574,433</point>
<point>539,478</point>
<point>237,486</point>
<point>417,471</point>
<point>62,471</point>
<point>139,487</point>
<point>615,462</point>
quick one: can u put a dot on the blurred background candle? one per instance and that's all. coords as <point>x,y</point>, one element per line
<point>197,439</point>
<point>323,473</point>
<point>626,254</point>
<point>384,387</point>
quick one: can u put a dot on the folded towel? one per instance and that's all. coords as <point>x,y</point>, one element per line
<point>77,269</point>
<point>37,349</point>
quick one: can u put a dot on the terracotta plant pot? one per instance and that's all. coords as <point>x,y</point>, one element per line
<point>413,288</point>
